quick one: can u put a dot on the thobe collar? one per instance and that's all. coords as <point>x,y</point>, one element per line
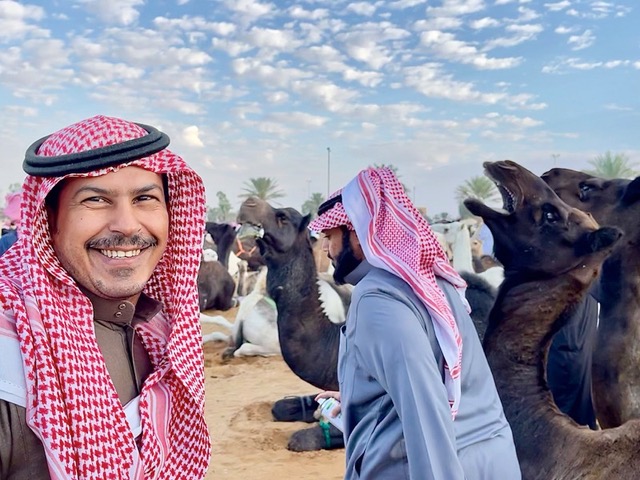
<point>358,273</point>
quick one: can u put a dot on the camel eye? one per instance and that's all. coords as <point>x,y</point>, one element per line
<point>550,214</point>
<point>281,217</point>
<point>584,190</point>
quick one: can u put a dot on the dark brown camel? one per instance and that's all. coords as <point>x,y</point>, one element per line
<point>224,236</point>
<point>534,300</point>
<point>215,287</point>
<point>616,376</point>
<point>308,339</point>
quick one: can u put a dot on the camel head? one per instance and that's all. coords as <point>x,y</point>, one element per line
<point>611,202</point>
<point>276,229</point>
<point>536,233</point>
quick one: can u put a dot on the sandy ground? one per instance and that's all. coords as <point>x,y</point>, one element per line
<point>247,443</point>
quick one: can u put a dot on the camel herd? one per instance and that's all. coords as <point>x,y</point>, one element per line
<point>551,253</point>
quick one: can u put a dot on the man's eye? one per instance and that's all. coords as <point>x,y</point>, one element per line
<point>93,200</point>
<point>146,198</point>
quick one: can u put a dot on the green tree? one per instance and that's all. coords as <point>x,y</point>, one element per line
<point>312,204</point>
<point>223,212</point>
<point>612,166</point>
<point>263,188</point>
<point>479,187</point>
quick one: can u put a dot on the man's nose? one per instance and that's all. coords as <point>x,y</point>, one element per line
<point>125,219</point>
<point>325,244</point>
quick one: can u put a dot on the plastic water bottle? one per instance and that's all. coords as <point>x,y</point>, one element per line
<point>326,405</point>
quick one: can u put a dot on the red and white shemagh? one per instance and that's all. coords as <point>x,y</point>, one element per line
<point>395,237</point>
<point>71,403</point>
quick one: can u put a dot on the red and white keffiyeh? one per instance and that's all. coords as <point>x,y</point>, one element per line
<point>71,403</point>
<point>395,237</point>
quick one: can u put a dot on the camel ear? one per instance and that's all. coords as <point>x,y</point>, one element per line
<point>632,192</point>
<point>305,222</point>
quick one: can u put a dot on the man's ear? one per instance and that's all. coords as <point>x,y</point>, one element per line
<point>51,219</point>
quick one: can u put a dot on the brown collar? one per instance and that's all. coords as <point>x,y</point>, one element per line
<point>123,312</point>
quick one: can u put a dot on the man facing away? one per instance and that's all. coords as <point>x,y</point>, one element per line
<point>102,372</point>
<point>418,398</point>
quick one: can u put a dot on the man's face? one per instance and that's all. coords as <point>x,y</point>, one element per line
<point>109,232</point>
<point>344,250</point>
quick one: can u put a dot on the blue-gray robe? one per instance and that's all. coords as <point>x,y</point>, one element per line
<point>398,423</point>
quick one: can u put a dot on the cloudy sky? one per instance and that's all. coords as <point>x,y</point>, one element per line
<point>310,92</point>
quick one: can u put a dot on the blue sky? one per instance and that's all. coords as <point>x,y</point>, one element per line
<point>249,88</point>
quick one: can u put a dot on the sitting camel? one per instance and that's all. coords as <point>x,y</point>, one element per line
<point>254,331</point>
<point>616,378</point>
<point>534,300</point>
<point>215,285</point>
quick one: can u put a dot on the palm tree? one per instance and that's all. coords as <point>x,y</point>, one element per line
<point>312,204</point>
<point>479,187</point>
<point>262,187</point>
<point>612,166</point>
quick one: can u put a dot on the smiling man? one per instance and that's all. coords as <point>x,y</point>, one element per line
<point>102,372</point>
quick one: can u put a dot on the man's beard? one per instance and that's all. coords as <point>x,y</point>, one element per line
<point>346,262</point>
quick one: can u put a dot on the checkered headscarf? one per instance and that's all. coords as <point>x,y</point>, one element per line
<point>395,237</point>
<point>72,405</point>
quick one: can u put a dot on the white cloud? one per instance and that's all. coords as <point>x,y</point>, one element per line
<point>580,42</point>
<point>16,18</point>
<point>191,24</point>
<point>300,13</point>
<point>365,9</point>
<point>438,23</point>
<point>191,136</point>
<point>231,47</point>
<point>562,30</point>
<point>402,4</point>
<point>519,34</point>
<point>563,66</point>
<point>485,22</point>
<point>121,12</point>
<point>249,10</point>
<point>445,46</point>
<point>431,81</point>
<point>457,7</point>
<point>558,6</point>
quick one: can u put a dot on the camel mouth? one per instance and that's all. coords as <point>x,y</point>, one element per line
<point>250,230</point>
<point>504,174</point>
<point>509,199</point>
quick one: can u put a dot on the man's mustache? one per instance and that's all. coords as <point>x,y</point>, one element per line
<point>119,240</point>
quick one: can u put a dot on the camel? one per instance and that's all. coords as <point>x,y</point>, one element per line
<point>227,244</point>
<point>303,326</point>
<point>215,286</point>
<point>308,339</point>
<point>254,331</point>
<point>616,379</point>
<point>534,300</point>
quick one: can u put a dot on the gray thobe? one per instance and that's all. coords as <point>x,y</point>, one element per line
<point>398,423</point>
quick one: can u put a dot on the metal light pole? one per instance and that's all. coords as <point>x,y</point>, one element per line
<point>328,172</point>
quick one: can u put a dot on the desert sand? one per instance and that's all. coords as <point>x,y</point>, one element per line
<point>246,443</point>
